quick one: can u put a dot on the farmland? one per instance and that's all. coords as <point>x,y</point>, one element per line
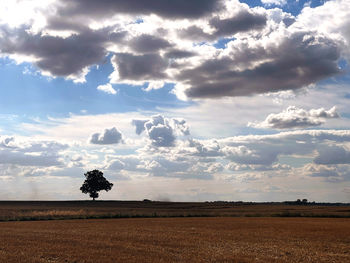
<point>217,239</point>
<point>136,231</point>
<point>43,210</point>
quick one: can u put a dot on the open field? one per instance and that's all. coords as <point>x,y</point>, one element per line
<point>36,210</point>
<point>221,239</point>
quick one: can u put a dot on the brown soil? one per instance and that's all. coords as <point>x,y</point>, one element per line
<point>177,240</point>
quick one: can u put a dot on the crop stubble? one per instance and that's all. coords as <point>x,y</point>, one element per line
<point>41,210</point>
<point>177,240</point>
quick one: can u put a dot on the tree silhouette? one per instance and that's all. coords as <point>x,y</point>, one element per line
<point>94,183</point>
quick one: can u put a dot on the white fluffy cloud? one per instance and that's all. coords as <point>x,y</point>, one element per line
<point>274,2</point>
<point>315,157</point>
<point>107,88</point>
<point>249,156</point>
<point>110,136</point>
<point>335,23</point>
<point>267,149</point>
<point>294,117</point>
<point>330,173</point>
<point>24,152</point>
<point>161,131</point>
<point>167,149</point>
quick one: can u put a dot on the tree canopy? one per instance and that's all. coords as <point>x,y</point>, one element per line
<point>95,182</point>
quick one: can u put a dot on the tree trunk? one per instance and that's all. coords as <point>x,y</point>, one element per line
<point>93,199</point>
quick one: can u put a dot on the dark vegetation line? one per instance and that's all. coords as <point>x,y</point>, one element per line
<point>64,210</point>
<point>174,202</point>
<point>155,215</point>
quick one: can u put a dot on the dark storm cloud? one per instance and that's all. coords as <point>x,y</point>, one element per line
<point>165,8</point>
<point>148,43</point>
<point>59,56</point>
<point>297,61</point>
<point>140,67</point>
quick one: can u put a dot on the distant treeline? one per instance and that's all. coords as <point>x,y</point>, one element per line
<point>296,202</point>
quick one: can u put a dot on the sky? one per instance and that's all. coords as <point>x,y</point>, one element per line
<point>197,100</point>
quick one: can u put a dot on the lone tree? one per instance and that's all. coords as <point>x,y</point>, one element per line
<point>94,183</point>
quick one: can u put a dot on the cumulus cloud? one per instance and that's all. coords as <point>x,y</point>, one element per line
<point>251,157</point>
<point>161,135</point>
<point>169,9</point>
<point>158,130</point>
<point>178,53</point>
<point>107,88</point>
<point>110,136</point>
<point>332,155</point>
<point>215,168</point>
<point>162,42</point>
<point>322,113</point>
<point>140,125</point>
<point>241,22</point>
<point>164,164</point>
<point>180,126</point>
<point>153,85</point>
<point>266,149</point>
<point>66,57</point>
<point>274,2</point>
<point>238,158</point>
<point>294,117</point>
<point>233,166</point>
<point>224,27</point>
<point>247,155</point>
<point>334,173</point>
<point>176,155</point>
<point>208,149</point>
<point>116,165</point>
<point>297,61</point>
<point>138,68</point>
<point>334,23</point>
<point>148,43</point>
<point>161,131</point>
<point>21,152</point>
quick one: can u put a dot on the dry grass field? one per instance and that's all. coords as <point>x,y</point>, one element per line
<point>221,239</point>
<point>42,210</point>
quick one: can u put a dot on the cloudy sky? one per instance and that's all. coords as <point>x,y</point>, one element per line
<point>176,100</point>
